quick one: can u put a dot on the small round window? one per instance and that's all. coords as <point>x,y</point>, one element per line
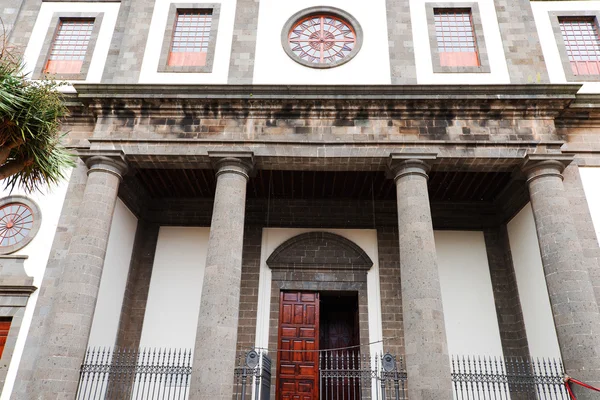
<point>321,37</point>
<point>19,222</point>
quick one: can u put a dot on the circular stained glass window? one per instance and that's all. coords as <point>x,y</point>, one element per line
<point>322,38</point>
<point>19,222</point>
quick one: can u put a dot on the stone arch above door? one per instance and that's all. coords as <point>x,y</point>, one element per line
<point>316,250</point>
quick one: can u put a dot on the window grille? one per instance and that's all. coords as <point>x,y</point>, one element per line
<point>189,46</point>
<point>70,46</point>
<point>582,42</point>
<point>455,34</point>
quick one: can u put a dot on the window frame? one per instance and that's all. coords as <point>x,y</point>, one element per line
<point>484,65</point>
<point>38,72</point>
<point>562,48</point>
<point>163,64</point>
<point>37,222</point>
<point>307,12</point>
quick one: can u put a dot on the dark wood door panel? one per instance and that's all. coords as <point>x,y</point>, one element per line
<point>297,365</point>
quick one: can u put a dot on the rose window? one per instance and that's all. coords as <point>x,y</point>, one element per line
<point>322,40</point>
<point>16,221</point>
<point>20,220</point>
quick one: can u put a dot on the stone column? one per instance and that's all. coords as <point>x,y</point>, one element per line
<point>216,336</point>
<point>426,348</point>
<point>72,312</point>
<point>576,314</point>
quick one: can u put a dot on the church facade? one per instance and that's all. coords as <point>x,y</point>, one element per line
<point>410,177</point>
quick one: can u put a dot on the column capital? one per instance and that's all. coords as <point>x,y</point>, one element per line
<point>402,164</point>
<point>541,165</point>
<point>112,162</point>
<point>241,163</point>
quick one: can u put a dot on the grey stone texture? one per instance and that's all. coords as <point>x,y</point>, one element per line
<point>23,25</point>
<point>586,232</point>
<point>9,11</point>
<point>246,337</point>
<point>506,294</point>
<point>313,249</point>
<point>400,42</point>
<point>56,373</point>
<point>426,347</point>
<point>15,289</point>
<point>135,298</point>
<point>521,42</point>
<point>576,313</point>
<point>390,285</point>
<point>128,44</point>
<point>243,46</point>
<point>37,338</point>
<point>216,336</point>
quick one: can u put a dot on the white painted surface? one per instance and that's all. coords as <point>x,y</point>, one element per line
<point>370,66</point>
<point>493,43</point>
<point>175,288</point>
<point>50,203</point>
<point>42,24</point>
<point>158,25</point>
<point>591,185</point>
<point>531,283</point>
<point>467,294</point>
<point>114,277</point>
<point>548,40</point>
<point>366,239</point>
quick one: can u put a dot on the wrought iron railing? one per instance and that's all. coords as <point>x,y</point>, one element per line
<point>136,374</point>
<point>508,378</point>
<point>352,375</point>
<point>253,376</point>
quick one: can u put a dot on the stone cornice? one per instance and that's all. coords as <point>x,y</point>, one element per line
<point>355,101</point>
<point>319,92</point>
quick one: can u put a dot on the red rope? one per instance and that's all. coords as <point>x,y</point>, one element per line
<point>568,380</point>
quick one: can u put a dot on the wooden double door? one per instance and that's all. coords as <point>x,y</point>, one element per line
<point>306,325</point>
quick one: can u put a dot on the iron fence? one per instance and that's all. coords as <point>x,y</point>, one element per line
<point>508,378</point>
<point>352,375</point>
<point>252,378</point>
<point>136,374</point>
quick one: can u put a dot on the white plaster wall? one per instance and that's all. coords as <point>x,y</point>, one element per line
<point>158,25</point>
<point>548,40</point>
<point>366,239</point>
<point>493,43</point>
<point>42,23</point>
<point>467,294</point>
<point>175,288</point>
<point>370,66</point>
<point>114,277</point>
<point>591,185</point>
<point>531,283</point>
<point>50,202</point>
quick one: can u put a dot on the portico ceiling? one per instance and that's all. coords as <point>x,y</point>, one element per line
<point>455,186</point>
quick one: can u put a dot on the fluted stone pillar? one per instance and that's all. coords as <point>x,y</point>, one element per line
<point>576,313</point>
<point>426,348</point>
<point>70,321</point>
<point>216,336</point>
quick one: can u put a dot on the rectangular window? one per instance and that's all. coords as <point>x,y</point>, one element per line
<point>190,42</point>
<point>4,328</point>
<point>457,46</point>
<point>70,46</point>
<point>582,43</point>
